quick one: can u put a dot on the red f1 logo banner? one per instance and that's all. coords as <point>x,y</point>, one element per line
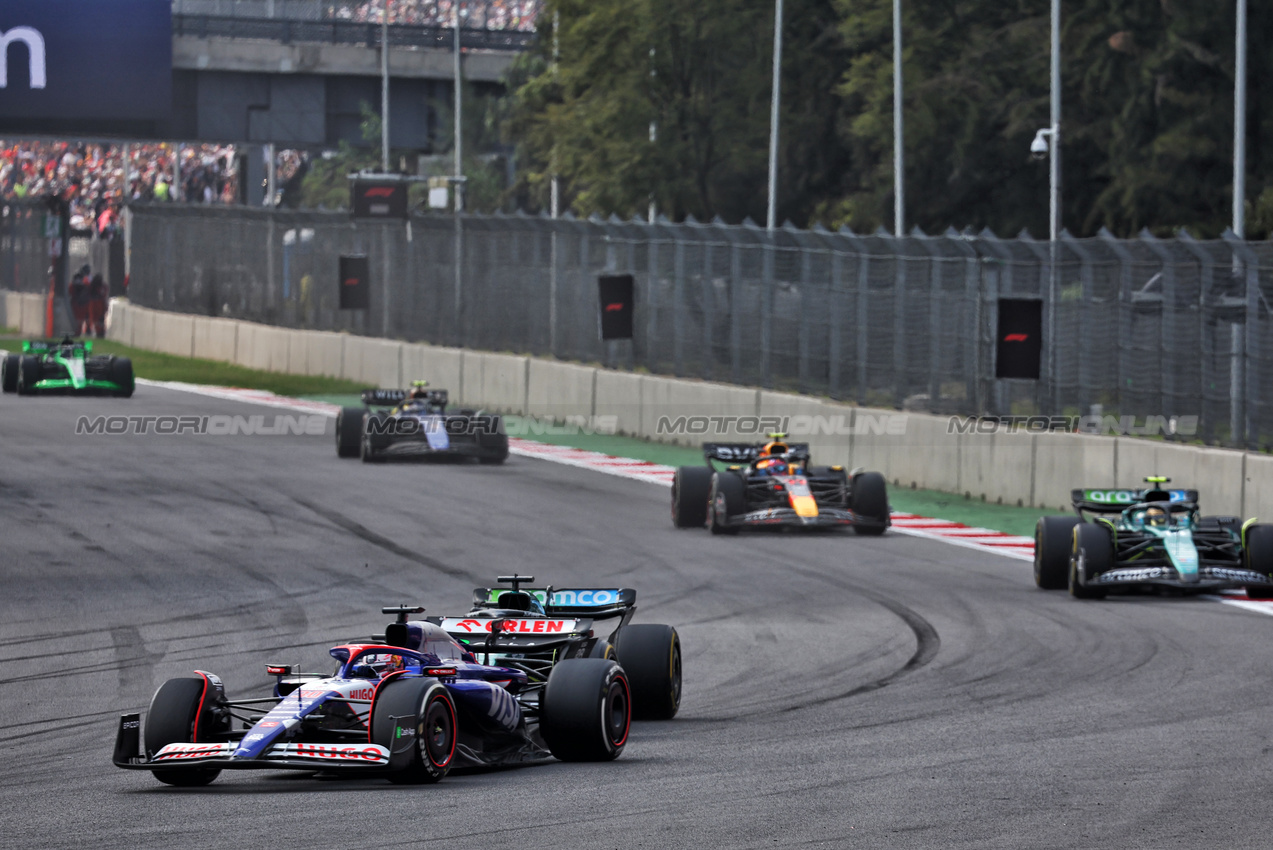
<point>378,198</point>
<point>355,288</point>
<point>616,306</point>
<point>1020,342</point>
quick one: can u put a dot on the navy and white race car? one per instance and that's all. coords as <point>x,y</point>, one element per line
<point>409,714</point>
<point>418,423</point>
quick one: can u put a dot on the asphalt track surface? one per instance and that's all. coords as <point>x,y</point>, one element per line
<point>840,691</point>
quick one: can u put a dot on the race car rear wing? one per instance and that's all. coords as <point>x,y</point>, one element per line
<point>41,346</point>
<point>391,398</point>
<point>597,603</point>
<point>747,452</point>
<point>1113,501</point>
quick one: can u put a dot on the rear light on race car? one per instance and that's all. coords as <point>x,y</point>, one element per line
<point>439,671</point>
<point>278,669</point>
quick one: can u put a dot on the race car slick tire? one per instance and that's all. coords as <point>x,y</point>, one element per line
<point>349,431</point>
<point>432,747</point>
<point>586,710</point>
<point>1053,539</point>
<point>870,499</point>
<point>9,373</point>
<point>366,449</point>
<point>492,441</point>
<point>1092,543</point>
<point>651,656</point>
<point>691,486</point>
<point>121,373</point>
<point>28,375</point>
<point>728,498</point>
<point>171,720</point>
<point>1258,557</point>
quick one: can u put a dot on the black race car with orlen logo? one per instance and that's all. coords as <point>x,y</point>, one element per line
<point>418,423</point>
<point>407,713</point>
<point>773,485</point>
<point>536,629</point>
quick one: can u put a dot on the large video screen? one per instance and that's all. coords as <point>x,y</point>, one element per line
<point>85,67</point>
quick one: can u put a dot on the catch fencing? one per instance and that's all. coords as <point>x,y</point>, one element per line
<point>1143,327</point>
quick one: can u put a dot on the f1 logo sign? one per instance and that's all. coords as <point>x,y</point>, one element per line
<point>1016,337</point>
<point>35,55</point>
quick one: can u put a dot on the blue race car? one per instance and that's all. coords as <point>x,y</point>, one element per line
<point>407,714</point>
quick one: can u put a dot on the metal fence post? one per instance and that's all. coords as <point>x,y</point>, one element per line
<point>1206,284</point>
<point>767,311</point>
<point>1125,370</point>
<point>835,315</point>
<point>735,313</point>
<point>897,246</point>
<point>1247,264</point>
<point>678,304</point>
<point>1086,344</point>
<point>1166,326</point>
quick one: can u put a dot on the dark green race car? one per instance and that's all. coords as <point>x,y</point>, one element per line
<point>68,366</point>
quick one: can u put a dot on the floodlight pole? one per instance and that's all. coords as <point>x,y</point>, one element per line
<point>899,170</point>
<point>384,86</point>
<point>1239,126</point>
<point>459,115</point>
<point>1054,206</point>
<point>774,103</point>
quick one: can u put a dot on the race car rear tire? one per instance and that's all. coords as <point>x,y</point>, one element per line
<point>1093,542</point>
<point>9,373</point>
<point>349,431</point>
<point>691,486</point>
<point>586,710</point>
<point>171,720</point>
<point>121,373</point>
<point>1053,540</point>
<point>28,375</point>
<point>1257,556</point>
<point>728,498</point>
<point>651,656</point>
<point>870,499</point>
<point>432,747</point>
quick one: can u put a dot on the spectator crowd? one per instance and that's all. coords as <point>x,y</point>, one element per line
<point>95,181</point>
<point>474,14</point>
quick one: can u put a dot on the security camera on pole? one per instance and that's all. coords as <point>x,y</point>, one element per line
<point>1047,141</point>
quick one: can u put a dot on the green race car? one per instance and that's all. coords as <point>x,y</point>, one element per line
<point>1127,540</point>
<point>68,366</point>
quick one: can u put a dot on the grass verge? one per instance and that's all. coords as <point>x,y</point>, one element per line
<point>170,367</point>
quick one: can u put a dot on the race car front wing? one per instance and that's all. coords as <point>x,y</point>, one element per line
<point>220,754</point>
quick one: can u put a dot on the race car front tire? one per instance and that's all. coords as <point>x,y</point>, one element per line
<point>1091,553</point>
<point>869,498</point>
<point>28,375</point>
<point>349,431</point>
<point>121,374</point>
<point>492,441</point>
<point>691,486</point>
<point>432,747</point>
<point>586,710</point>
<point>651,656</point>
<point>728,498</point>
<point>171,720</point>
<point>9,373</point>
<point>1053,540</point>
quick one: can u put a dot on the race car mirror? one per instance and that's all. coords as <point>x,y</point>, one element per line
<point>354,286</point>
<point>616,306</point>
<point>1020,342</point>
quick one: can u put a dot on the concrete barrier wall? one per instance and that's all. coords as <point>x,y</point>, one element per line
<point>215,339</point>
<point>558,390</point>
<point>439,366</point>
<point>911,449</point>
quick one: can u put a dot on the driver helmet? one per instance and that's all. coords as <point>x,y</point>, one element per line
<point>1156,516</point>
<point>418,391</point>
<point>771,466</point>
